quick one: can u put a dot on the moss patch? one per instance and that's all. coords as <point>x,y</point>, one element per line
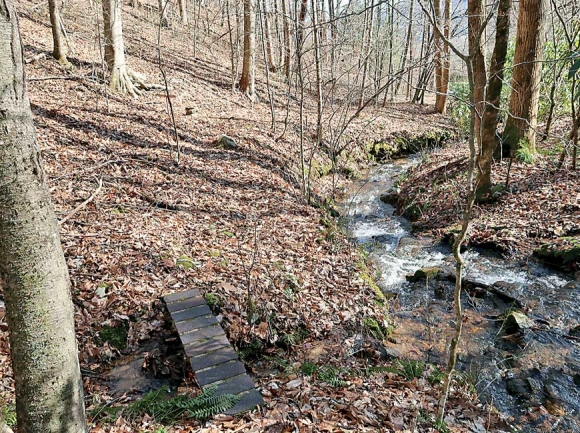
<point>565,252</point>
<point>407,144</point>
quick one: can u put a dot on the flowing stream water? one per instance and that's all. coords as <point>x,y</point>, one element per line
<point>529,369</point>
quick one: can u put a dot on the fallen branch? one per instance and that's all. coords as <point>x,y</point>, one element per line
<point>84,203</point>
<point>159,203</point>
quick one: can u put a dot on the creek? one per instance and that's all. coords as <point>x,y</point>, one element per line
<point>526,365</point>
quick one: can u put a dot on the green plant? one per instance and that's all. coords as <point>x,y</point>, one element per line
<point>441,426</point>
<point>8,414</point>
<point>308,368</point>
<point>184,262</point>
<point>213,301</point>
<point>162,409</point>
<point>526,153</point>
<point>116,336</point>
<point>459,109</point>
<point>375,328</point>
<point>332,375</point>
<point>436,377</point>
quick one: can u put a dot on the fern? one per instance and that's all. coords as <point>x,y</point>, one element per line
<point>332,376</point>
<point>167,410</point>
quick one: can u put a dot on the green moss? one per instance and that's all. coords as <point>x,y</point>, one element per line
<point>115,336</point>
<point>563,254</point>
<point>213,301</point>
<point>376,329</point>
<point>424,274</point>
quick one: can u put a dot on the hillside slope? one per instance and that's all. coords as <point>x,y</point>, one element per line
<point>231,222</point>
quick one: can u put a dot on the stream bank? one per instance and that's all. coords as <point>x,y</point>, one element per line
<point>520,350</point>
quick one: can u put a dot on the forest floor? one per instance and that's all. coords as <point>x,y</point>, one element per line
<point>538,210</point>
<point>230,222</point>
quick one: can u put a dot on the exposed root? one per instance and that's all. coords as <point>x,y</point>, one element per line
<point>123,80</point>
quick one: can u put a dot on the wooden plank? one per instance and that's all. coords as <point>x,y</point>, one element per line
<point>191,313</point>
<point>219,356</point>
<point>173,297</point>
<point>249,400</point>
<point>198,322</point>
<point>211,355</point>
<point>235,385</point>
<point>206,346</point>
<point>219,372</point>
<point>185,304</point>
<point>201,334</point>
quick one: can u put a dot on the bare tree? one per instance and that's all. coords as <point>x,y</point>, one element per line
<point>59,51</point>
<point>33,271</point>
<point>122,79</point>
<point>247,82</point>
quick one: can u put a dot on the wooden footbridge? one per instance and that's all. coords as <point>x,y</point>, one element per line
<point>212,357</point>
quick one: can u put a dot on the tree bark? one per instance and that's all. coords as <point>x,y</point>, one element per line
<point>122,78</point>
<point>163,12</point>
<point>476,11</point>
<point>493,95</point>
<point>444,63</point>
<point>33,271</point>
<point>183,11</point>
<point>247,81</point>
<point>521,125</point>
<point>59,51</point>
<point>286,31</point>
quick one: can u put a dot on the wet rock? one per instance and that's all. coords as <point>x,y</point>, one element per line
<point>564,253</point>
<point>572,285</point>
<point>389,197</point>
<point>575,331</point>
<point>518,321</point>
<point>518,388</point>
<point>227,142</point>
<point>424,274</point>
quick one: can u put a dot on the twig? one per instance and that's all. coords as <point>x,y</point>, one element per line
<point>83,204</point>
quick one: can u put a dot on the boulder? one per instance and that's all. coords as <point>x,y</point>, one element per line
<point>424,274</point>
<point>518,321</point>
<point>227,142</point>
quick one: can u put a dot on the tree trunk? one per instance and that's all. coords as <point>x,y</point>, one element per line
<point>445,62</point>
<point>476,12</point>
<point>247,81</point>
<point>33,271</point>
<point>163,12</point>
<point>493,95</point>
<point>286,31</point>
<point>318,74</point>
<point>407,50</point>
<point>183,11</point>
<point>59,51</point>
<point>520,129</point>
<point>268,36</point>
<point>122,78</point>
<point>366,51</point>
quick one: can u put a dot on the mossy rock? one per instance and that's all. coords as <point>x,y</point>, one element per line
<point>402,145</point>
<point>390,197</point>
<point>227,142</point>
<point>561,254</point>
<point>425,274</point>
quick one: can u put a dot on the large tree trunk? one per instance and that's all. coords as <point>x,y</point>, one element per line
<point>247,81</point>
<point>476,13</point>
<point>59,51</point>
<point>33,271</point>
<point>491,114</point>
<point>122,78</point>
<point>521,125</point>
